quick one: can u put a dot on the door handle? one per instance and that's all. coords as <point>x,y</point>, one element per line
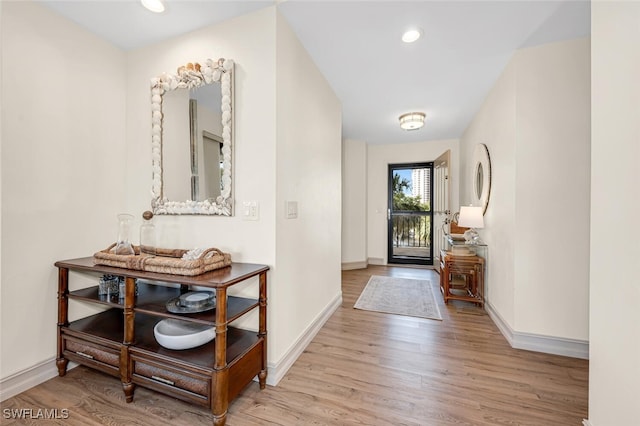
<point>388,214</point>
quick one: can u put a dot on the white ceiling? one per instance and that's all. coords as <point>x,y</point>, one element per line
<point>446,73</point>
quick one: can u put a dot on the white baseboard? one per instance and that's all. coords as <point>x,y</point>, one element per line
<point>347,266</point>
<point>30,377</point>
<point>278,369</point>
<point>539,343</point>
<point>376,261</point>
<point>585,422</point>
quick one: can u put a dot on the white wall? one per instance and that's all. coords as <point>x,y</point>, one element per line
<point>84,126</point>
<point>495,126</point>
<point>614,373</point>
<point>535,123</point>
<point>308,159</point>
<point>250,41</point>
<point>63,167</point>
<point>378,159</point>
<point>354,204</point>
<point>286,147</point>
<point>552,189</point>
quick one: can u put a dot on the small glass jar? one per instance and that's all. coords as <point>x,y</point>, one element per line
<point>122,290</point>
<point>108,286</point>
<point>147,234</point>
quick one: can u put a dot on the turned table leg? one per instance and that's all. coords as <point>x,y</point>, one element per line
<point>63,317</point>
<point>262,376</point>
<point>129,337</point>
<point>220,402</point>
<point>446,283</point>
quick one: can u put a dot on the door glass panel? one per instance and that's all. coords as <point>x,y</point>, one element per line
<point>410,221</point>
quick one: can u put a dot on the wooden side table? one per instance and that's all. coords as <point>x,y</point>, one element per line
<point>470,269</point>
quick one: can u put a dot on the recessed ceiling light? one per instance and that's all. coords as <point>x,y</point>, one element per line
<point>153,5</point>
<point>411,35</point>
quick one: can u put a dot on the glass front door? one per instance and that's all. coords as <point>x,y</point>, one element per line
<point>410,221</point>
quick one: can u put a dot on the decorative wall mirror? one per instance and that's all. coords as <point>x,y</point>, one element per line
<point>481,177</point>
<point>191,140</point>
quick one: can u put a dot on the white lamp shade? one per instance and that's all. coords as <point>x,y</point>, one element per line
<point>471,217</point>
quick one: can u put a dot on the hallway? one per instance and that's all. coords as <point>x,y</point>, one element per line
<point>365,368</point>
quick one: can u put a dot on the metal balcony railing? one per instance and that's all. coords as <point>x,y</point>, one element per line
<point>411,230</point>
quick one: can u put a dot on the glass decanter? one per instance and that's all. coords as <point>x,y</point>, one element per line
<point>123,244</point>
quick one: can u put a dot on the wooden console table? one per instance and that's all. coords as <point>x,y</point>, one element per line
<point>470,270</point>
<point>120,340</point>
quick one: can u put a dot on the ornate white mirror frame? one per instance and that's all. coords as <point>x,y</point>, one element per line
<point>481,177</point>
<point>191,77</point>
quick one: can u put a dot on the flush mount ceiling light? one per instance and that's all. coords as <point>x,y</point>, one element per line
<point>153,5</point>
<point>411,35</point>
<point>412,120</point>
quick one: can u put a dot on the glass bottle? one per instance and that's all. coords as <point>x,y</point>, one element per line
<point>148,234</point>
<point>123,244</point>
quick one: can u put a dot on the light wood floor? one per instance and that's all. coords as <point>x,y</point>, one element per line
<point>363,368</point>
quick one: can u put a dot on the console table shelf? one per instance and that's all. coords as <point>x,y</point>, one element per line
<point>153,297</point>
<point>120,340</point>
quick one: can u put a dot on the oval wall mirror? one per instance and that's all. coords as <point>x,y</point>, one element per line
<point>481,177</point>
<point>191,142</point>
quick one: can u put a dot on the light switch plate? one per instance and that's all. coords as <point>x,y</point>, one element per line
<point>250,210</point>
<point>292,209</point>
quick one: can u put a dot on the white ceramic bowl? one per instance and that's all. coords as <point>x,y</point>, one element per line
<point>177,334</point>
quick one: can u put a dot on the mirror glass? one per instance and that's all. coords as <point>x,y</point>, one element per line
<point>192,140</point>
<point>481,177</point>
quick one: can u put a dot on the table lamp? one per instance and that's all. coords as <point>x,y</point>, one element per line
<point>471,217</point>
